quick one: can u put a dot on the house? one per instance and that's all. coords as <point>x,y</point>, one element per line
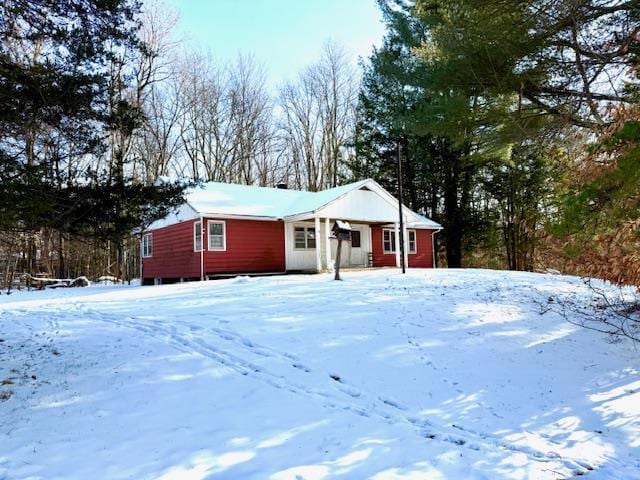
<point>225,229</point>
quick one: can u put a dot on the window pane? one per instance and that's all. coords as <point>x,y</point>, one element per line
<point>389,244</point>
<point>311,238</point>
<point>355,239</point>
<point>216,242</point>
<point>216,236</point>
<point>299,238</point>
<point>215,228</point>
<point>197,236</point>
<point>412,241</point>
<point>146,245</point>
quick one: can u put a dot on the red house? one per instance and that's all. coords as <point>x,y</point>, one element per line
<point>225,229</point>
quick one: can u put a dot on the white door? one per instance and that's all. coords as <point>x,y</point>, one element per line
<point>358,246</point>
<point>300,246</point>
<point>354,253</point>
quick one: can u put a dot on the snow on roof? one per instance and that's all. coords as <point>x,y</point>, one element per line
<point>215,198</point>
<point>342,225</point>
<point>249,200</point>
<point>423,221</point>
<point>244,200</point>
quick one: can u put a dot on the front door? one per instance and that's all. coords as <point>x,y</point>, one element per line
<point>354,253</point>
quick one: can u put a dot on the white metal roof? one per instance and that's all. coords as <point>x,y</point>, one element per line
<point>230,199</point>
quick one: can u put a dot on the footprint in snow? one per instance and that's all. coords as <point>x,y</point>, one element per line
<point>393,403</point>
<point>353,392</point>
<point>301,367</point>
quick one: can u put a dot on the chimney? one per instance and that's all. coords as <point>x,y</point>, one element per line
<point>282,186</point>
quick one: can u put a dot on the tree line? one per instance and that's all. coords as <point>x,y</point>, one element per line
<point>106,118</point>
<point>517,124</point>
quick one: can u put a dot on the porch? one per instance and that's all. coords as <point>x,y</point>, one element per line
<point>311,247</point>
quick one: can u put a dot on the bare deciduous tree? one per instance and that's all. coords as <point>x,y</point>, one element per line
<point>226,126</point>
<point>318,119</point>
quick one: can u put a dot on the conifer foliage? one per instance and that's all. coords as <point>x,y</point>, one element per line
<point>519,125</point>
<point>58,110</point>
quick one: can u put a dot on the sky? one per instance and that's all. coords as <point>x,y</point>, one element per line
<point>284,35</point>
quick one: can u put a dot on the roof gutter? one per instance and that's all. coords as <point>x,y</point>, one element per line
<point>231,216</point>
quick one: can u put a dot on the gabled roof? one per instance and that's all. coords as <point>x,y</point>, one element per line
<point>230,199</point>
<point>244,200</point>
<point>248,200</point>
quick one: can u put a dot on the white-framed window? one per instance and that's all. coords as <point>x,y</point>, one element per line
<point>304,238</point>
<point>217,235</point>
<point>388,240</point>
<point>146,248</point>
<point>197,236</point>
<point>413,243</point>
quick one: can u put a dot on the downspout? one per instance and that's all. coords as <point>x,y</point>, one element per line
<point>141,262</point>
<point>201,248</point>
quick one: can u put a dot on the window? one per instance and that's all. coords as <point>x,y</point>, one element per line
<point>197,237</point>
<point>355,239</point>
<point>413,245</point>
<point>147,245</point>
<point>388,241</point>
<point>304,237</point>
<point>217,236</point>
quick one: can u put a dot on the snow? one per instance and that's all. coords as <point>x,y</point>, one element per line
<point>439,374</point>
<point>247,200</point>
<point>215,198</point>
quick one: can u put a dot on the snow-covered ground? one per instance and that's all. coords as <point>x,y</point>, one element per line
<point>438,374</point>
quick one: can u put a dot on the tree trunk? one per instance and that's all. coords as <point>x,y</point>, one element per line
<point>452,213</point>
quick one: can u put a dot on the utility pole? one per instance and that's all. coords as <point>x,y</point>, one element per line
<point>401,232</point>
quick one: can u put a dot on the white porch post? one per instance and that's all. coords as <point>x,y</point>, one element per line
<point>405,237</point>
<point>327,242</point>
<point>397,234</point>
<point>318,254</point>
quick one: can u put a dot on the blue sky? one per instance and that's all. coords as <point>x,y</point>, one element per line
<point>284,35</point>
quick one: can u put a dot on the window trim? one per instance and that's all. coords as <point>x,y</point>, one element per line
<point>149,245</point>
<point>224,236</point>
<point>393,233</point>
<point>415,241</point>
<point>306,237</point>
<point>391,243</point>
<point>198,225</point>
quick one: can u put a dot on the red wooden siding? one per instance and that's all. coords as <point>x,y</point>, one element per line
<point>380,259</point>
<point>172,253</point>
<point>422,259</point>
<point>252,247</point>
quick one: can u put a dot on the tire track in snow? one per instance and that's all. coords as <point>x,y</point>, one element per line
<point>349,398</point>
